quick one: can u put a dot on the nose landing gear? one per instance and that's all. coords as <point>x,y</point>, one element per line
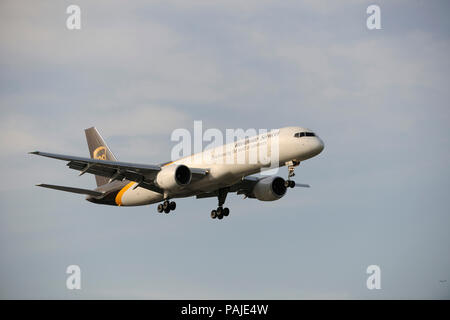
<point>166,206</point>
<point>291,167</point>
<point>289,183</point>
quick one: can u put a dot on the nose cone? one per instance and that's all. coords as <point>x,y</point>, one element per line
<point>317,146</point>
<point>320,145</point>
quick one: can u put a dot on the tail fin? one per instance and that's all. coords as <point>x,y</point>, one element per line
<point>98,149</point>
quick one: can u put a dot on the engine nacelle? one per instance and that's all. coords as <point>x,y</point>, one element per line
<point>269,189</point>
<point>173,177</point>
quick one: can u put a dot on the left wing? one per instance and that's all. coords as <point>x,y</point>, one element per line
<point>245,186</point>
<point>143,174</point>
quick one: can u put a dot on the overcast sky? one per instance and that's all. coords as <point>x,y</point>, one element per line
<point>137,70</point>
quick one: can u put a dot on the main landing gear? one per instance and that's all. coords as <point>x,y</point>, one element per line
<point>221,212</point>
<point>291,167</point>
<point>166,206</point>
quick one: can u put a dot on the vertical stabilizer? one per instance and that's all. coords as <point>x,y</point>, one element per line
<point>98,149</point>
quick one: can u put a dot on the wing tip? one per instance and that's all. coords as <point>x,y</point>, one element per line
<point>33,152</point>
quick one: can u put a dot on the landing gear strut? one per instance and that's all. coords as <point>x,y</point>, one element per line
<point>221,212</point>
<point>291,167</point>
<point>166,206</point>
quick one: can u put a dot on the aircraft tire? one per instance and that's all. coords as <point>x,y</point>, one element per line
<point>219,213</point>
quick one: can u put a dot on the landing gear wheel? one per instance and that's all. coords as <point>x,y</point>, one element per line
<point>220,212</point>
<point>213,214</point>
<point>160,208</point>
<point>167,210</point>
<point>165,205</point>
<point>220,217</point>
<point>226,212</point>
<point>289,183</point>
<point>172,205</point>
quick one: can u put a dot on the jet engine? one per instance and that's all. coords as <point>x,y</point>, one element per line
<point>269,189</point>
<point>173,177</point>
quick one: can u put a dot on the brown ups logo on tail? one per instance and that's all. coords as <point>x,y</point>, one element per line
<point>100,153</point>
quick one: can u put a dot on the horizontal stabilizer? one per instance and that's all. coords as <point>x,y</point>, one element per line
<point>71,189</point>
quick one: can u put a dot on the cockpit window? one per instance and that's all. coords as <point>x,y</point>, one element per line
<point>304,134</point>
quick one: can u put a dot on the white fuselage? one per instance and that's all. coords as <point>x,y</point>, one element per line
<point>228,164</point>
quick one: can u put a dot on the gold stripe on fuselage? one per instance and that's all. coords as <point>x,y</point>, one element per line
<point>122,191</point>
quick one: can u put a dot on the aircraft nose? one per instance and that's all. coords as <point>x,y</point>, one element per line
<point>318,146</point>
<point>321,145</point>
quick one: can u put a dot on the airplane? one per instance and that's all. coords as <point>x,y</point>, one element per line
<point>131,184</point>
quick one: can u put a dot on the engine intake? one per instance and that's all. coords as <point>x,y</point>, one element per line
<point>183,175</point>
<point>270,189</point>
<point>173,177</point>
